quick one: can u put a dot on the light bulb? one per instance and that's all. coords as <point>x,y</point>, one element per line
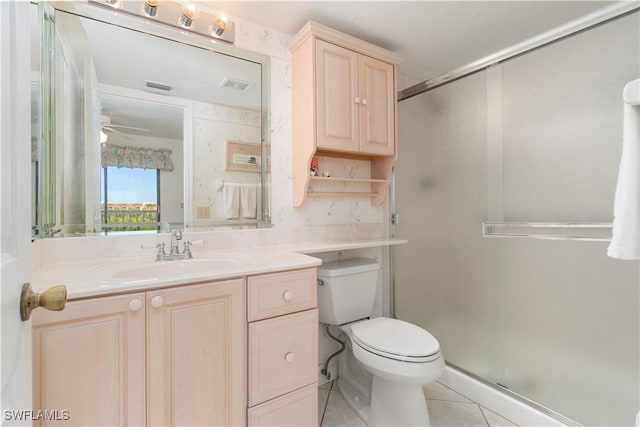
<point>186,20</point>
<point>151,7</point>
<point>220,25</point>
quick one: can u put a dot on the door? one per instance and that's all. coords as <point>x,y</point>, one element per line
<point>90,361</point>
<point>336,97</point>
<point>377,106</point>
<point>15,230</point>
<point>196,346</point>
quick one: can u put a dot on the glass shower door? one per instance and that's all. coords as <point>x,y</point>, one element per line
<point>535,140</point>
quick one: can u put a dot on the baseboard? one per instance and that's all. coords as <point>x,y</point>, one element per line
<point>501,402</point>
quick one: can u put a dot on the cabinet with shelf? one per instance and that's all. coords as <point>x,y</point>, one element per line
<point>344,107</point>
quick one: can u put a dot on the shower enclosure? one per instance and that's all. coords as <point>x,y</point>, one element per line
<point>489,165</point>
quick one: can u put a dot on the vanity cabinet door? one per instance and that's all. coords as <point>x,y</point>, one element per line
<point>90,360</point>
<point>336,97</point>
<point>197,355</point>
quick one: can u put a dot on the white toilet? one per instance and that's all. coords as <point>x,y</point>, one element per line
<point>387,361</point>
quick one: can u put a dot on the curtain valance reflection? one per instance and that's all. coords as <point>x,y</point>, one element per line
<point>124,156</point>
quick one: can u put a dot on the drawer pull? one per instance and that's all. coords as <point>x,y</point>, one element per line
<point>287,295</point>
<point>157,301</point>
<point>289,357</point>
<point>135,304</point>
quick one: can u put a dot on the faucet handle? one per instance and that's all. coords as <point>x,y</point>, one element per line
<point>187,247</point>
<point>161,252</point>
<point>177,234</point>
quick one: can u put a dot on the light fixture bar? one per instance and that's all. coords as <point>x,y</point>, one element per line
<point>176,14</point>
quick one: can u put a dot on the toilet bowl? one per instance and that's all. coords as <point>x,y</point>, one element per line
<point>387,361</point>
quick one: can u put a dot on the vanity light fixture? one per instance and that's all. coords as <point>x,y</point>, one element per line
<point>180,14</point>
<point>219,25</point>
<point>151,7</point>
<point>186,19</point>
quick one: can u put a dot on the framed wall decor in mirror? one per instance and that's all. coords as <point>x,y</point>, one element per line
<point>132,122</point>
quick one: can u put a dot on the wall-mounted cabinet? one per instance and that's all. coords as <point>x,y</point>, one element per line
<point>344,106</point>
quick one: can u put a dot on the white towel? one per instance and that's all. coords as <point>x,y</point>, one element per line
<point>231,199</point>
<point>248,200</point>
<point>625,240</point>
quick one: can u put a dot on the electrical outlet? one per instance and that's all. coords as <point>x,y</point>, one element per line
<point>332,372</point>
<point>203,212</point>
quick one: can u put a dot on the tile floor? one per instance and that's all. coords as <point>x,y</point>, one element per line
<point>446,408</point>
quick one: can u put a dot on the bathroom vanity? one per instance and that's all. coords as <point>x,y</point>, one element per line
<point>233,346</point>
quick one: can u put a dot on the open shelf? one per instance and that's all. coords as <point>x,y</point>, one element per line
<point>347,180</point>
<point>340,194</point>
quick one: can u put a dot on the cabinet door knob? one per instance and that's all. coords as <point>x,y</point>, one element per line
<point>357,100</point>
<point>364,101</point>
<point>135,304</point>
<point>289,357</point>
<point>157,301</point>
<point>287,295</point>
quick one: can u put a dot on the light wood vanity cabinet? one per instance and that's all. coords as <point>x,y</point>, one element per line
<point>90,360</point>
<point>343,105</point>
<point>283,349</point>
<point>185,355</point>
<point>196,347</point>
<point>166,357</point>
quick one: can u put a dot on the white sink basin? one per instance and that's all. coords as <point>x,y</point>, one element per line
<point>177,268</point>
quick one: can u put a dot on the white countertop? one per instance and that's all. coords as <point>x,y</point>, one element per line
<point>134,274</point>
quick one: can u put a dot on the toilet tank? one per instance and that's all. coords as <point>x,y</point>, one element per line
<point>346,290</point>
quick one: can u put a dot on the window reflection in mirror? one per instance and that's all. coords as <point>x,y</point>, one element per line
<point>127,105</point>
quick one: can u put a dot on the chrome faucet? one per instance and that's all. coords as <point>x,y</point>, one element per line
<point>176,236</point>
<point>174,248</point>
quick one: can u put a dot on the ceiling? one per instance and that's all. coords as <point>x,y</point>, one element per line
<point>433,37</point>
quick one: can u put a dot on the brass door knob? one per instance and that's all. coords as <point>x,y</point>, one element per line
<point>53,299</point>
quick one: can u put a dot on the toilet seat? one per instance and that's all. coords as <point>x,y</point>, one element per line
<point>395,339</point>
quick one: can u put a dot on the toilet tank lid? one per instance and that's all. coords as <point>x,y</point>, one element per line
<point>347,266</point>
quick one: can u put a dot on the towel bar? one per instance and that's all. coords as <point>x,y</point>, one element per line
<point>580,231</point>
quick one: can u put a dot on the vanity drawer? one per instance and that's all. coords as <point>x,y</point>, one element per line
<point>276,294</point>
<point>283,355</point>
<point>298,408</point>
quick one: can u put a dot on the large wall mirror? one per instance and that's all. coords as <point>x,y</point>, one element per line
<point>139,127</point>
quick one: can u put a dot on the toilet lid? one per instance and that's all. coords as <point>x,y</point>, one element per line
<point>395,337</point>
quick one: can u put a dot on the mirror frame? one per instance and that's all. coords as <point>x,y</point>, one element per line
<point>47,179</point>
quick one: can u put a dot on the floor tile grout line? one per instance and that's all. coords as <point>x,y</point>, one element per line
<point>326,403</point>
<point>466,397</point>
<point>486,421</point>
<point>482,408</point>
